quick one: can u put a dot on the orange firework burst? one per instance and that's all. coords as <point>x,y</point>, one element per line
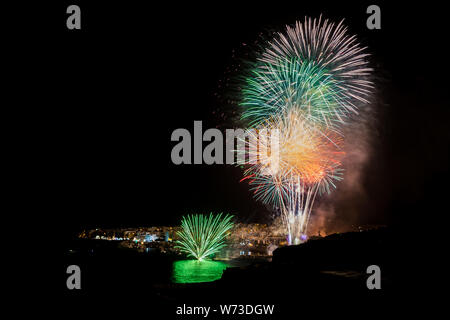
<point>307,152</point>
<point>287,147</point>
<point>292,161</point>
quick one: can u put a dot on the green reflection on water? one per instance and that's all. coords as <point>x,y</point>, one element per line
<point>190,271</point>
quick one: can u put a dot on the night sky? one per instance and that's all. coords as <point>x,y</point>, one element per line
<point>134,73</point>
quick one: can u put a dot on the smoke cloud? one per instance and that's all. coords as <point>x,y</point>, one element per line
<point>346,208</point>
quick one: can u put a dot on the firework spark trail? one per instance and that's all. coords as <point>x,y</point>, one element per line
<point>306,84</point>
<point>202,236</point>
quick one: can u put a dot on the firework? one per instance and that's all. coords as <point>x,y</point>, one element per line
<point>315,67</point>
<point>299,151</point>
<point>202,235</point>
<point>306,162</point>
<point>304,85</point>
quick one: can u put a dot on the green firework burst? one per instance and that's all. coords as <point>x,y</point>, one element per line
<point>203,235</point>
<point>274,89</point>
<point>315,67</point>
